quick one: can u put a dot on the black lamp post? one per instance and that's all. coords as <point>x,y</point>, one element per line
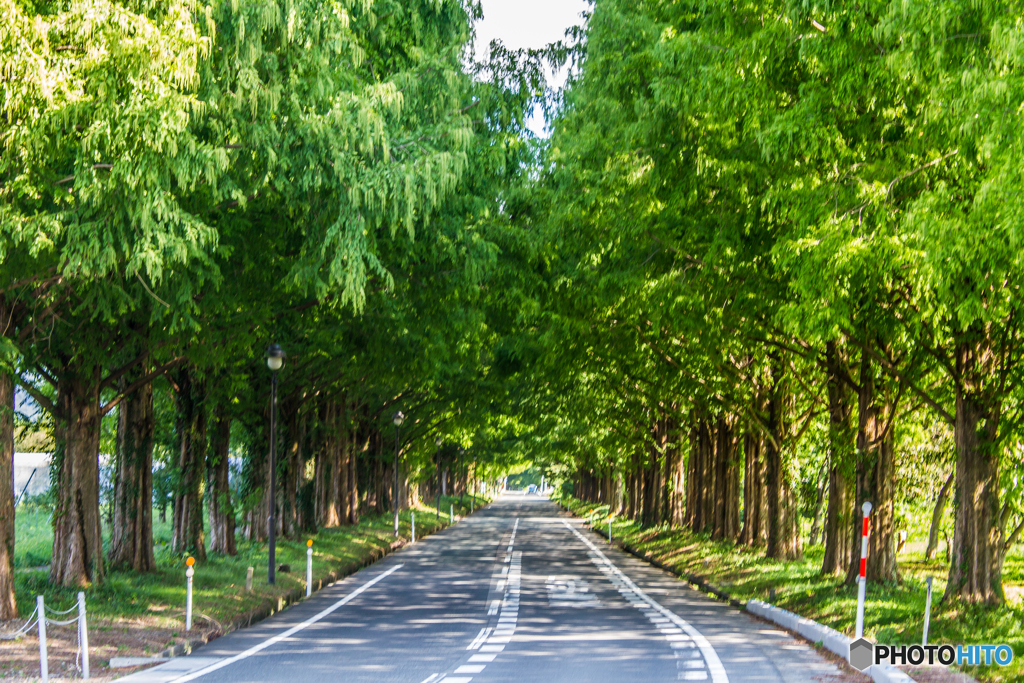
<point>437,481</point>
<point>398,418</point>
<point>275,359</point>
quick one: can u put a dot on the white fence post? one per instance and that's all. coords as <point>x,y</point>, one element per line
<point>83,635</point>
<point>927,612</point>
<point>309,567</point>
<point>44,671</point>
<point>188,592</point>
<point>862,588</point>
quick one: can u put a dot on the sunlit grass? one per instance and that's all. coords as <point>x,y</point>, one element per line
<point>894,612</point>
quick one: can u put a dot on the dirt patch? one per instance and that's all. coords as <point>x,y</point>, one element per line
<point>129,637</point>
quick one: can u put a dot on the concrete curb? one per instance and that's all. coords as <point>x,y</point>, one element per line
<point>831,639</point>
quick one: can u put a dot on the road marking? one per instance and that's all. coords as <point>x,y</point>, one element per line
<point>605,565</point>
<point>508,583</point>
<point>290,632</point>
<point>430,678</point>
<point>480,638</point>
<point>470,669</point>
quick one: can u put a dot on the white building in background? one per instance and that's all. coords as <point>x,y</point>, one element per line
<point>33,470</point>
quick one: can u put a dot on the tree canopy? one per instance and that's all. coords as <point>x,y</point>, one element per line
<point>763,268</point>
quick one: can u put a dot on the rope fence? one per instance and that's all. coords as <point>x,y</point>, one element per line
<point>29,623</point>
<point>40,617</point>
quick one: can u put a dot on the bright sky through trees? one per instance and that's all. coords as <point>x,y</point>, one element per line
<point>528,24</point>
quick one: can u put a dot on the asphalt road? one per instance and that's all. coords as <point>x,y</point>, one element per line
<point>517,592</point>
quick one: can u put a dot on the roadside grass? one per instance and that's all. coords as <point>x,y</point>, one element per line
<point>219,595</point>
<point>894,613</point>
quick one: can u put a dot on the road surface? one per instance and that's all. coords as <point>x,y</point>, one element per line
<point>520,591</point>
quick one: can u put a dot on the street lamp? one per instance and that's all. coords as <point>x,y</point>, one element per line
<point>437,480</point>
<point>275,359</point>
<point>398,418</point>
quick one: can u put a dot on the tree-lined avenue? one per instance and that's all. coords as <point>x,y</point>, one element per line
<point>447,609</point>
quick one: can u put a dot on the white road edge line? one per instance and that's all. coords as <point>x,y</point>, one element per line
<point>290,632</point>
<point>718,674</point>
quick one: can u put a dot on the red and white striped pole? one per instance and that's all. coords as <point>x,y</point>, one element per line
<point>862,588</point>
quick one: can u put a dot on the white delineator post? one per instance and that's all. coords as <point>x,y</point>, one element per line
<point>609,531</point>
<point>309,567</point>
<point>189,573</point>
<point>927,612</point>
<point>44,671</point>
<point>413,526</point>
<point>83,635</point>
<point>248,580</point>
<point>451,514</point>
<point>863,581</point>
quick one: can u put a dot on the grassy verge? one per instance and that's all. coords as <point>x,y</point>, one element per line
<point>894,612</point>
<point>127,602</point>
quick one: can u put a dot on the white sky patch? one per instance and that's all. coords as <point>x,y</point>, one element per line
<point>520,24</point>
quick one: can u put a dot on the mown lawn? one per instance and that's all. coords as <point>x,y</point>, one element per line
<point>219,584</point>
<point>894,613</point>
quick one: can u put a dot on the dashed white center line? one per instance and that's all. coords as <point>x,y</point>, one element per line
<point>470,668</point>
<point>508,581</point>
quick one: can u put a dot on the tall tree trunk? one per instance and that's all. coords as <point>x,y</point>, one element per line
<point>221,511</point>
<point>8,605</point>
<point>876,479</point>
<point>353,479</point>
<point>754,498</point>
<point>678,483</point>
<point>77,541</point>
<point>690,477</point>
<point>131,533</point>
<point>731,530</point>
<point>188,535</point>
<point>332,466</point>
<point>975,572</point>
<point>937,512</point>
<point>722,440</point>
<point>783,539</point>
<point>839,514</point>
<point>344,448</point>
<point>819,501</point>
